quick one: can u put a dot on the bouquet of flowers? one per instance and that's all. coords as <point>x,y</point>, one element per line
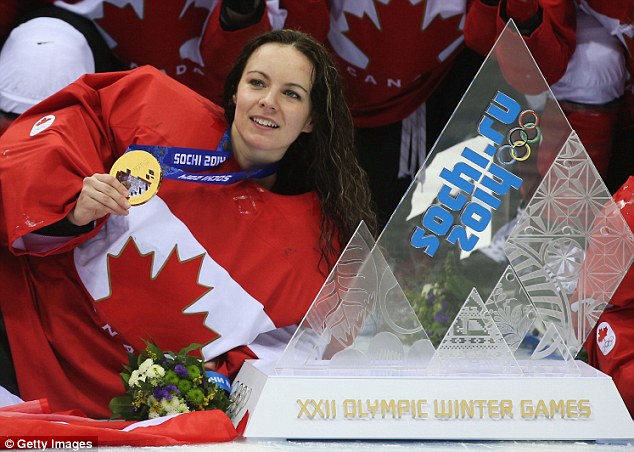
<point>437,302</point>
<point>160,383</point>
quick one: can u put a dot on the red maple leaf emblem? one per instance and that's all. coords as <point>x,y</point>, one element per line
<point>155,38</point>
<point>141,307</point>
<point>603,332</point>
<point>44,120</point>
<point>392,46</point>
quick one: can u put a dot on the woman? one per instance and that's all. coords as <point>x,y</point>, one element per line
<point>222,265</point>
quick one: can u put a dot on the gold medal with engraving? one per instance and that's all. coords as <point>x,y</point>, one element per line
<point>141,174</point>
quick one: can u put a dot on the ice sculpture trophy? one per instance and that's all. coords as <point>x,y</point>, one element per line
<point>464,318</point>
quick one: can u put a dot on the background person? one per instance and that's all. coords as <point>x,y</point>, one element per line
<point>583,64</point>
<point>47,49</point>
<point>617,17</point>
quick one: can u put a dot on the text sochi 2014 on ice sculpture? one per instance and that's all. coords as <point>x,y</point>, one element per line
<point>474,301</point>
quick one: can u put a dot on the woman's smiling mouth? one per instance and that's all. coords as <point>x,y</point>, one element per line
<point>264,122</point>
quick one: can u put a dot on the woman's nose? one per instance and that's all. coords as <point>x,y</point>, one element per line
<point>268,101</point>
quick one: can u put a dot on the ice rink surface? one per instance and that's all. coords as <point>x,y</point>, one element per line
<point>250,445</point>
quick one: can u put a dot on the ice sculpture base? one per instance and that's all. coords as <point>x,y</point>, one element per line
<point>582,407</point>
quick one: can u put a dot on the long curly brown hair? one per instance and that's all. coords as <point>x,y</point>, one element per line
<point>324,160</point>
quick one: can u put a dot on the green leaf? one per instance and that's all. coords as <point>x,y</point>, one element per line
<point>190,348</point>
<point>132,362</point>
<point>121,406</point>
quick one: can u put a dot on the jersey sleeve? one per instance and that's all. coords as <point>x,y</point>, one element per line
<point>309,16</point>
<point>480,30</point>
<point>550,36</point>
<point>219,48</point>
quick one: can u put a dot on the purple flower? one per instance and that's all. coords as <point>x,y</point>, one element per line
<point>172,389</point>
<point>161,393</point>
<point>165,392</point>
<point>181,370</point>
<point>442,316</point>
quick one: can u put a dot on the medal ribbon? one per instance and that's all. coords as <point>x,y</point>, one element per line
<point>178,163</point>
<point>221,381</point>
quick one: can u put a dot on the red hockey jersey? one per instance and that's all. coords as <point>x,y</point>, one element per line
<point>393,54</point>
<point>216,265</point>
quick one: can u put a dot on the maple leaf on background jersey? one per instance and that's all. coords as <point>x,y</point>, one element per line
<point>155,37</point>
<point>400,41</point>
<point>141,307</point>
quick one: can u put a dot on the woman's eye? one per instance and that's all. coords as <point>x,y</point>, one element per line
<point>292,94</point>
<point>256,82</point>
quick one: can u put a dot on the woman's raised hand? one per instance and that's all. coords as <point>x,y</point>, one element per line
<point>101,194</point>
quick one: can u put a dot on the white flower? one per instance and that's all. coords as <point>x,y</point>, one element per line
<point>145,365</point>
<point>145,370</point>
<point>135,378</point>
<point>182,407</point>
<point>155,371</point>
<point>173,406</point>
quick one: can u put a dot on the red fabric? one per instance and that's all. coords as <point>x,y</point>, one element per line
<point>595,125</point>
<point>11,10</point>
<point>552,43</point>
<point>481,27</point>
<point>610,345</point>
<point>8,13</point>
<point>521,10</point>
<point>242,424</point>
<point>230,363</point>
<point>189,428</point>
<point>624,198</point>
<point>31,407</point>
<point>252,267</point>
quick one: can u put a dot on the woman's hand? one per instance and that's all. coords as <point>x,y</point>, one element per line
<point>101,194</point>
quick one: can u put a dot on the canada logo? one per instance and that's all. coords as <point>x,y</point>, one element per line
<point>42,124</point>
<point>606,339</point>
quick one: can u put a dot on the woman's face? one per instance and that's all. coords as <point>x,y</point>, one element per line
<point>272,105</point>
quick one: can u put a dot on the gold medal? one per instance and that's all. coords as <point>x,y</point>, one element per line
<point>141,174</point>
